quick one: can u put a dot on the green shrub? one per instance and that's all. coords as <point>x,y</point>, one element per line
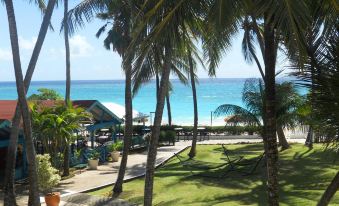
<point>48,176</point>
<point>94,155</point>
<point>170,136</point>
<point>116,146</point>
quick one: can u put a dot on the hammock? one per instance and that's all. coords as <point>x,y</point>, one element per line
<point>197,164</point>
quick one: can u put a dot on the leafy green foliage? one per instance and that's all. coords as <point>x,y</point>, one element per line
<point>288,102</point>
<point>46,94</point>
<point>116,146</point>
<point>48,176</point>
<point>94,155</point>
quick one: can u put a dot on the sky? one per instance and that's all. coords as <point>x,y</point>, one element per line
<point>89,59</point>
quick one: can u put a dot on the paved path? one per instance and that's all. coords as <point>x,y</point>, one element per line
<point>107,173</point>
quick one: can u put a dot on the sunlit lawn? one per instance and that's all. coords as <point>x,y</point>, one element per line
<point>304,175</point>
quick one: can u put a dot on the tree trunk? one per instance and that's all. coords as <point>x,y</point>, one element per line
<point>128,130</point>
<point>68,63</point>
<point>9,189</point>
<point>152,149</point>
<point>309,138</point>
<point>282,139</point>
<point>66,160</point>
<point>192,152</point>
<point>33,178</point>
<point>330,191</point>
<point>169,109</point>
<point>157,84</point>
<point>270,127</point>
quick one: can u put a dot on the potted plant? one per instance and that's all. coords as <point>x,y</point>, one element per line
<point>48,178</point>
<point>93,160</point>
<point>115,149</point>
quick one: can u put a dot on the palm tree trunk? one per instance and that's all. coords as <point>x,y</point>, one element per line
<point>152,149</point>
<point>68,83</point>
<point>192,152</point>
<point>128,129</point>
<point>169,109</point>
<point>33,178</point>
<point>270,127</point>
<point>66,160</point>
<point>309,138</point>
<point>9,189</point>
<point>282,139</point>
<point>157,84</point>
<point>68,63</point>
<point>330,191</point>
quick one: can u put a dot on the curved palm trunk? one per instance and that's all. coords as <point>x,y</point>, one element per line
<point>128,129</point>
<point>330,191</point>
<point>169,113</point>
<point>270,127</point>
<point>33,178</point>
<point>12,147</point>
<point>68,86</point>
<point>192,152</point>
<point>282,139</point>
<point>152,149</point>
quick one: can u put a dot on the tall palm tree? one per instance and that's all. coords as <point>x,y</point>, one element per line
<point>11,154</point>
<point>279,18</point>
<point>119,37</point>
<point>68,62</point>
<point>164,22</point>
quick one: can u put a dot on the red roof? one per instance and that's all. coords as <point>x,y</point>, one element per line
<point>7,107</point>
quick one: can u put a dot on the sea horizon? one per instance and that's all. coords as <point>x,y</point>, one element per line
<point>211,93</point>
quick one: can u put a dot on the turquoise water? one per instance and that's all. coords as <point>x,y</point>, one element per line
<point>211,93</point>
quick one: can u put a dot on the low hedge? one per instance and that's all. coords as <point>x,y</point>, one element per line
<point>234,130</point>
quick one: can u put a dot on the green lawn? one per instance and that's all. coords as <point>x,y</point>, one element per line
<point>304,175</point>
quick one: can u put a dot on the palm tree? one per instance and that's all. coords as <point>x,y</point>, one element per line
<point>119,37</point>
<point>68,63</point>
<point>56,125</point>
<point>11,154</point>
<point>285,19</point>
<point>288,102</point>
<point>164,21</point>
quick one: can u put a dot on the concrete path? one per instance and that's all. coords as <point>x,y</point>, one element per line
<point>107,173</point>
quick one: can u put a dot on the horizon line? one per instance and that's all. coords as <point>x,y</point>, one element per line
<point>60,80</point>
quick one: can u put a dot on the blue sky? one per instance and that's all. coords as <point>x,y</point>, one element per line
<point>89,59</point>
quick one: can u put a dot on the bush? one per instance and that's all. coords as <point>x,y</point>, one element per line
<point>48,176</point>
<point>94,155</point>
<point>116,146</point>
<point>170,136</point>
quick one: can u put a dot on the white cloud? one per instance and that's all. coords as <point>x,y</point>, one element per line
<point>5,54</point>
<point>79,46</point>
<point>27,44</point>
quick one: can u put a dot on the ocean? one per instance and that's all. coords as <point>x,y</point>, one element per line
<point>211,93</point>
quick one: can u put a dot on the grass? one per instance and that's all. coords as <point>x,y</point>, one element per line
<point>303,176</point>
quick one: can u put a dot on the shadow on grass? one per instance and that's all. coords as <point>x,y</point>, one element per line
<point>303,176</point>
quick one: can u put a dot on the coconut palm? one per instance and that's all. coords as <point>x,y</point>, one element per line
<point>288,102</point>
<point>22,108</point>
<point>68,62</point>
<point>164,21</point>
<point>287,19</point>
<point>119,12</point>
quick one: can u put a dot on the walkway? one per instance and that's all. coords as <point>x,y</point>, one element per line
<point>107,173</point>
